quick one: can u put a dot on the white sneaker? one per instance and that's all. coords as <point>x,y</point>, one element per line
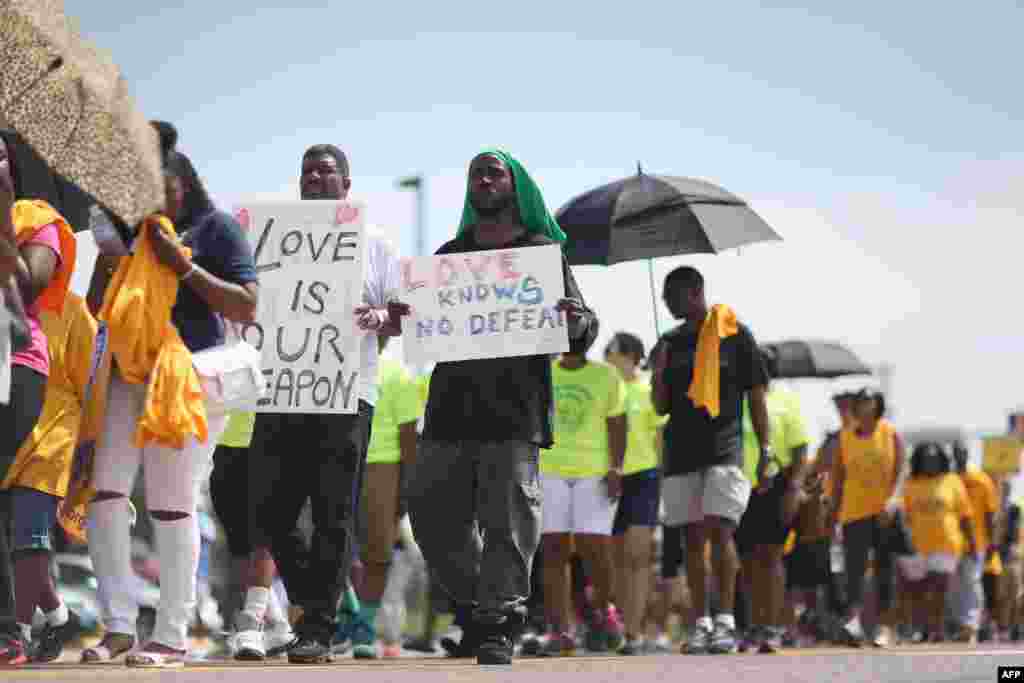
<point>279,640</point>
<point>249,646</point>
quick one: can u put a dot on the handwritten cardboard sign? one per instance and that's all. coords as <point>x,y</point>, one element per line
<point>484,304</point>
<point>1002,454</point>
<point>310,258</point>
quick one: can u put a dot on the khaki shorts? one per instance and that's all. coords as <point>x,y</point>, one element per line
<point>720,491</point>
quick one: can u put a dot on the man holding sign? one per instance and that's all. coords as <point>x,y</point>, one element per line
<point>474,493</point>
<point>316,456</point>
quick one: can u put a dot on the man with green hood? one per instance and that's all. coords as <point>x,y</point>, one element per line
<point>474,492</point>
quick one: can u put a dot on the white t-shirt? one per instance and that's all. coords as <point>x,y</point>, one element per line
<point>381,285</point>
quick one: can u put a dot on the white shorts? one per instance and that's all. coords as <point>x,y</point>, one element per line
<point>916,567</point>
<point>577,506</point>
<point>720,491</point>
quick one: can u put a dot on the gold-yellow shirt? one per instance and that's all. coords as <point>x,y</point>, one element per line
<point>44,460</point>
<point>869,464</point>
<point>934,508</point>
<point>981,491</point>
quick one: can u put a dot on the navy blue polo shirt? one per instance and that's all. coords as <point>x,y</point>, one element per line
<point>219,246</point>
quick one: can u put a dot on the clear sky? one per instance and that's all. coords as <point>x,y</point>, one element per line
<point>883,140</point>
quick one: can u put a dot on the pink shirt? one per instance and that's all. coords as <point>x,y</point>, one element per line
<point>37,355</point>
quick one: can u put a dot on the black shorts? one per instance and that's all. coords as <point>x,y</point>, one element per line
<point>762,522</point>
<point>671,551</point>
<point>809,565</point>
<point>990,586</point>
<point>638,506</point>
<point>229,483</point>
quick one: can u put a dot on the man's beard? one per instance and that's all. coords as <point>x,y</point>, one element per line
<point>494,208</point>
<point>319,194</point>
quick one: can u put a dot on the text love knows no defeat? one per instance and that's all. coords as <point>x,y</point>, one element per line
<point>485,304</point>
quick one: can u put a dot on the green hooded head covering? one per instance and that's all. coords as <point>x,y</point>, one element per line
<point>532,210</point>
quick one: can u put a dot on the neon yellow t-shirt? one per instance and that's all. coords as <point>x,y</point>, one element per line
<point>238,433</point>
<point>641,451</point>
<point>584,399</point>
<point>789,430</point>
<point>423,387</point>
<point>398,403</point>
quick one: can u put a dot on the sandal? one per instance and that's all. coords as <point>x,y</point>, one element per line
<point>110,648</point>
<point>162,658</point>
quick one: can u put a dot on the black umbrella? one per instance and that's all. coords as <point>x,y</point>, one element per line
<point>646,216</point>
<point>816,359</point>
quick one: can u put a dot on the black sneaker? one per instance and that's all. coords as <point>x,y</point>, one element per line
<point>49,646</point>
<point>421,645</point>
<point>532,646</point>
<point>466,646</point>
<point>310,651</point>
<point>495,650</point>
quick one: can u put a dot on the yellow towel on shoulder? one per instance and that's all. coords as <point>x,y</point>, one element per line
<point>29,216</point>
<point>43,462</point>
<point>705,389</point>
<point>148,349</point>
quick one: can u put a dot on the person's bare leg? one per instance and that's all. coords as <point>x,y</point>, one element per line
<point>623,593</point>
<point>725,561</point>
<point>596,552</point>
<point>775,584</point>
<point>557,550</point>
<point>635,574</point>
<point>696,569</point>
<point>751,585</point>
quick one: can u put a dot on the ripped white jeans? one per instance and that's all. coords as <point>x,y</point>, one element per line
<point>172,482</point>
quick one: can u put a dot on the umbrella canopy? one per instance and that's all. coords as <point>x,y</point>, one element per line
<point>816,359</point>
<point>646,216</point>
<point>33,179</point>
<point>68,100</point>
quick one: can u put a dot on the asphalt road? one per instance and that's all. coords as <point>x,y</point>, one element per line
<point>941,664</point>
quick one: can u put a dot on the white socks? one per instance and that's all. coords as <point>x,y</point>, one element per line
<point>275,616</point>
<point>257,602</point>
<point>26,632</point>
<point>111,553</point>
<point>59,616</point>
<point>726,620</point>
<point>177,543</point>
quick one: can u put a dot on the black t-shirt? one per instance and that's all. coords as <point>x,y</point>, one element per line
<point>220,248</point>
<point>496,399</point>
<point>693,439</point>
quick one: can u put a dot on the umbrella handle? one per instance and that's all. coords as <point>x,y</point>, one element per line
<point>654,297</point>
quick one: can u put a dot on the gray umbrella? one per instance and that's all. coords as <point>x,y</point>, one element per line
<point>814,358</point>
<point>646,216</point>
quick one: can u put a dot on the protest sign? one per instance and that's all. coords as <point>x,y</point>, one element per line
<point>484,304</point>
<point>1002,454</point>
<point>309,255</point>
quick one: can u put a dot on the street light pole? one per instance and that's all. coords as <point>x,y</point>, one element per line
<point>416,183</point>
